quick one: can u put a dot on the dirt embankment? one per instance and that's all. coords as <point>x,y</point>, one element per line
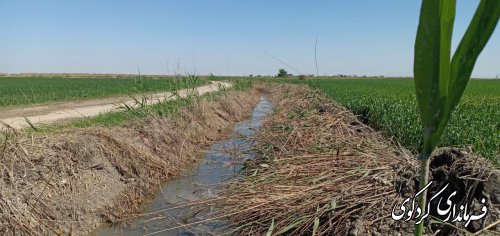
<point>68,183</point>
<point>320,171</point>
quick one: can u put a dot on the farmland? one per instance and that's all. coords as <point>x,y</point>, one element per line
<point>199,118</point>
<point>20,91</point>
<point>390,105</point>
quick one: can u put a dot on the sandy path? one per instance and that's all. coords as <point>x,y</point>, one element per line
<point>46,114</point>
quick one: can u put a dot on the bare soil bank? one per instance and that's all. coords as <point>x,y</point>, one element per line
<point>68,183</point>
<point>320,171</point>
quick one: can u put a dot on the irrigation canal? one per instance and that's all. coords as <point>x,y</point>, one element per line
<point>174,208</point>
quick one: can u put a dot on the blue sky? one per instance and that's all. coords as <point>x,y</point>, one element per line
<point>226,37</point>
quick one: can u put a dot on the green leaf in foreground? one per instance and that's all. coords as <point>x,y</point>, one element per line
<point>477,35</point>
<point>440,83</point>
<point>432,66</point>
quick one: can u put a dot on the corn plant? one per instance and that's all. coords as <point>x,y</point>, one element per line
<point>439,81</point>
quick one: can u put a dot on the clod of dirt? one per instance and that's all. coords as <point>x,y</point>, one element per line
<point>473,178</point>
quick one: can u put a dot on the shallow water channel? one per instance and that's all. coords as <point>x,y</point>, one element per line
<point>172,208</point>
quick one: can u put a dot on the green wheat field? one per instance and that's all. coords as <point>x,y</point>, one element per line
<point>20,91</point>
<point>389,105</point>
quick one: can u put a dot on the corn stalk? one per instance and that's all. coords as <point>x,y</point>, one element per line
<point>439,81</point>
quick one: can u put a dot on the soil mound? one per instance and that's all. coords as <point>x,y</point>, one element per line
<point>473,179</point>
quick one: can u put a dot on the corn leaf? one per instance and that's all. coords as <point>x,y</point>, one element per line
<point>440,83</point>
<point>477,35</point>
<point>432,67</point>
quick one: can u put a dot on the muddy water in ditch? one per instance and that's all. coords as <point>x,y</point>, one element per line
<point>171,211</point>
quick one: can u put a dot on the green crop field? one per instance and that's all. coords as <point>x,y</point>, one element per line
<point>390,105</point>
<point>19,91</point>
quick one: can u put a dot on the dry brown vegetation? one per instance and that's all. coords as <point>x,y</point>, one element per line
<point>320,171</point>
<point>70,182</point>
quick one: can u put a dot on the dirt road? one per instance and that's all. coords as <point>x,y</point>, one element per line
<point>46,114</point>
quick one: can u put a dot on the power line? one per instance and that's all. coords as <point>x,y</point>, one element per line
<point>284,63</point>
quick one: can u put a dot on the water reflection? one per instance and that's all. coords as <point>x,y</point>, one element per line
<point>170,208</point>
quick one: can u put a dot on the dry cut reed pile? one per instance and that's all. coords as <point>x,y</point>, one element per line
<point>320,171</point>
